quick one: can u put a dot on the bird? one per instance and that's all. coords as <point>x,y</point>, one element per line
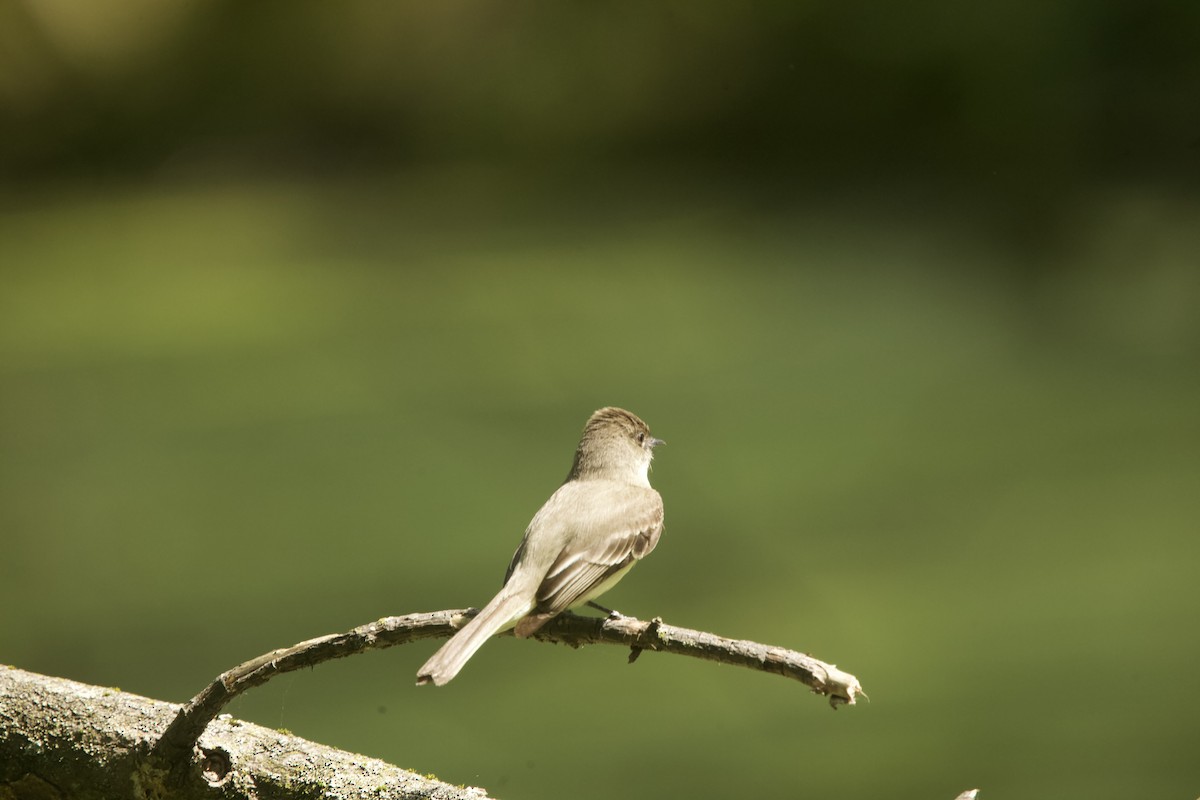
<point>603,519</point>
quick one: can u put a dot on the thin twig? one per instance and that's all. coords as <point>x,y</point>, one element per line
<point>178,743</point>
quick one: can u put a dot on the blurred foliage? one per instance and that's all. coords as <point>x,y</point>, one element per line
<point>1023,102</point>
<point>302,307</point>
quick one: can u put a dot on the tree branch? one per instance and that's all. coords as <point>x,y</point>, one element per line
<point>177,746</point>
<point>72,741</point>
<point>105,743</point>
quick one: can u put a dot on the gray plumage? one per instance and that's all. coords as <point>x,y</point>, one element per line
<point>593,529</point>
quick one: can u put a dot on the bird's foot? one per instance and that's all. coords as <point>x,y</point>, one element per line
<point>612,613</point>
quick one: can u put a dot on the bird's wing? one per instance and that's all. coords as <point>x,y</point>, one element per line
<point>576,573</point>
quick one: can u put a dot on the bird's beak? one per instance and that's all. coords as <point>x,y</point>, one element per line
<point>655,442</point>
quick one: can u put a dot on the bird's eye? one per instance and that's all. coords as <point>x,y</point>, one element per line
<point>641,438</point>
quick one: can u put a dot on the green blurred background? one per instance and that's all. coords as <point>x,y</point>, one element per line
<point>303,305</point>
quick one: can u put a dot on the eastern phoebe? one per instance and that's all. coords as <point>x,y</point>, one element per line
<point>603,519</point>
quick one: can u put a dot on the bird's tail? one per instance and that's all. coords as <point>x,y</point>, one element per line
<point>496,616</point>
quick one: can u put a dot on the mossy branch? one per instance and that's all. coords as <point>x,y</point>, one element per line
<point>63,740</point>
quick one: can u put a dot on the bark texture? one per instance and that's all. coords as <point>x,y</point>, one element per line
<point>62,740</point>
